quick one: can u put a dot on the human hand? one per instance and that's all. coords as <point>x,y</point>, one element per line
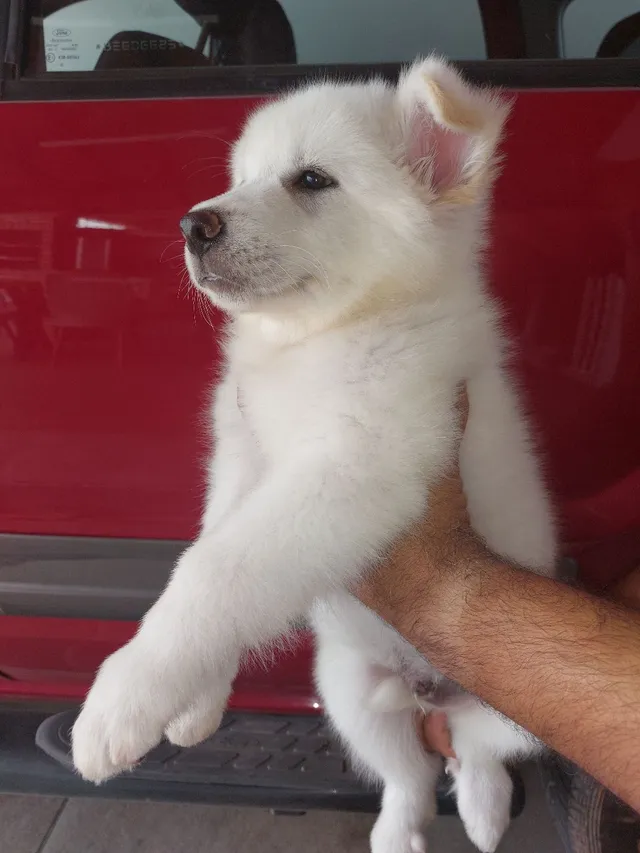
<point>434,734</point>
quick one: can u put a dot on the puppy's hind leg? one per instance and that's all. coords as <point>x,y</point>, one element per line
<point>482,740</point>
<point>383,744</point>
<point>483,793</point>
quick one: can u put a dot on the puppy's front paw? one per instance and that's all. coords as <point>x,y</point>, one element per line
<point>122,718</point>
<point>199,721</point>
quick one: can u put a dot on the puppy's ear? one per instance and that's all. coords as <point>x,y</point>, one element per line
<point>451,130</point>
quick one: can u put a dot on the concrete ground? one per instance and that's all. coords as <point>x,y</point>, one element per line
<point>51,825</point>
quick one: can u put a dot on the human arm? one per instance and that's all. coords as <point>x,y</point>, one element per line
<point>561,663</point>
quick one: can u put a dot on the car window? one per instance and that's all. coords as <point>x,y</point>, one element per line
<point>87,35</point>
<point>109,34</point>
<point>69,49</point>
<point>76,35</point>
<point>594,28</point>
<point>368,31</point>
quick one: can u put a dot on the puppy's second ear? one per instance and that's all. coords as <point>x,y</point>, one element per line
<point>451,130</point>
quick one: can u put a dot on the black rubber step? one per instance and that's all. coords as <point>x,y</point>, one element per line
<point>284,762</point>
<point>248,749</point>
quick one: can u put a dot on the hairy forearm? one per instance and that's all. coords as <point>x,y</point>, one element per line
<point>564,665</point>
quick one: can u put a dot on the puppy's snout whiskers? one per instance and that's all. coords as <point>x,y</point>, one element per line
<point>204,308</point>
<point>163,254</point>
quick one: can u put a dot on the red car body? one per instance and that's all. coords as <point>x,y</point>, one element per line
<point>106,363</point>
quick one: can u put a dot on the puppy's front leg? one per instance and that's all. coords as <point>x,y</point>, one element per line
<point>311,526</point>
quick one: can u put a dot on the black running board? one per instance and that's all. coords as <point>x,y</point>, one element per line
<point>289,763</point>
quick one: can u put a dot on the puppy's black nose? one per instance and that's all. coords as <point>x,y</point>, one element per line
<point>201,229</point>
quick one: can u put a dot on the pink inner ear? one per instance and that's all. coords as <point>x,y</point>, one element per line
<point>438,155</point>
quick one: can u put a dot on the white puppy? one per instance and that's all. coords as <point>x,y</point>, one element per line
<point>347,254</point>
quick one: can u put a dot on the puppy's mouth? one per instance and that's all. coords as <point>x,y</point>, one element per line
<point>222,285</point>
<point>244,283</point>
<point>211,279</point>
<point>224,279</point>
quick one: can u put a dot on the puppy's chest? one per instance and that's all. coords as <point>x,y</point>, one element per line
<point>286,407</point>
<point>306,395</point>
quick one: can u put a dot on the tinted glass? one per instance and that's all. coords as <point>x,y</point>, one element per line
<point>106,34</point>
<point>593,28</point>
<point>94,35</point>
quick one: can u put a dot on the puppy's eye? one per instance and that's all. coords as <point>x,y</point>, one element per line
<point>310,180</point>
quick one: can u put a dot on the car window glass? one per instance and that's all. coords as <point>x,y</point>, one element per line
<point>87,35</point>
<point>593,28</point>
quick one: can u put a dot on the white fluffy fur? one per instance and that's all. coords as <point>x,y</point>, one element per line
<point>356,311</point>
